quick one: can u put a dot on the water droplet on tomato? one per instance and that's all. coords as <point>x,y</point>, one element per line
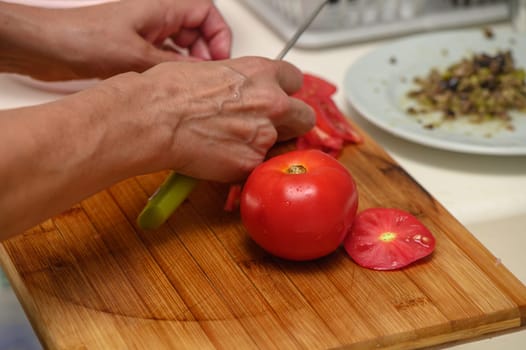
<point>422,240</point>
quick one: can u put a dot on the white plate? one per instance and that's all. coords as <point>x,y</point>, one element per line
<point>377,84</point>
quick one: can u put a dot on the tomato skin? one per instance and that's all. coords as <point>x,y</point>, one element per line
<point>388,239</point>
<point>299,216</point>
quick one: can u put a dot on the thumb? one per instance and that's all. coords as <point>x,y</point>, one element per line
<point>166,52</point>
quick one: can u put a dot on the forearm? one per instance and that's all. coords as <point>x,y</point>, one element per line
<point>44,43</point>
<point>56,154</point>
<point>19,25</point>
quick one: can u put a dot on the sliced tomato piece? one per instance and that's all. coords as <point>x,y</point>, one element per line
<point>331,120</point>
<point>233,198</point>
<point>317,138</point>
<point>305,142</point>
<point>335,121</point>
<point>315,86</point>
<point>332,129</point>
<point>388,239</point>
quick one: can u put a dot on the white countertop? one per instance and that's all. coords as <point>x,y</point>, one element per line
<point>486,193</point>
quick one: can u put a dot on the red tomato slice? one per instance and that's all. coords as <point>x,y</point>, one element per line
<point>334,122</point>
<point>233,198</point>
<point>331,120</point>
<point>319,139</point>
<point>388,239</point>
<point>315,86</point>
<point>332,129</point>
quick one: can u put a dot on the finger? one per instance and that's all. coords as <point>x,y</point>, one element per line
<point>212,37</point>
<point>164,55</point>
<point>185,37</point>
<point>220,45</point>
<point>289,77</point>
<point>217,34</point>
<point>299,119</point>
<point>148,55</point>
<point>194,43</point>
<point>200,49</point>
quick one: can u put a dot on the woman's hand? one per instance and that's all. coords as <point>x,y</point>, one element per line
<point>115,37</point>
<point>210,120</point>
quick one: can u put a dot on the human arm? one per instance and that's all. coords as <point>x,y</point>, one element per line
<point>103,40</point>
<point>209,120</point>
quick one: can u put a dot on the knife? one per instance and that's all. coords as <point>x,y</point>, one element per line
<point>174,190</point>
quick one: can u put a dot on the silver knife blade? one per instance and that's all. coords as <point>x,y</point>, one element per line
<point>300,30</point>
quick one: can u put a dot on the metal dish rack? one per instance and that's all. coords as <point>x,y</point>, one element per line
<point>349,21</point>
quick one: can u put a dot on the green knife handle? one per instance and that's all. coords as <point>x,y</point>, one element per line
<point>165,201</point>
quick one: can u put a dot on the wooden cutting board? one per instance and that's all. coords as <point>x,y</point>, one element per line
<point>90,279</point>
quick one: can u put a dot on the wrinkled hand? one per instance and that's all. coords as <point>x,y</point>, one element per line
<point>210,120</point>
<point>115,37</point>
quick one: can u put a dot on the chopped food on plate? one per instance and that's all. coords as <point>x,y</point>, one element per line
<point>482,87</point>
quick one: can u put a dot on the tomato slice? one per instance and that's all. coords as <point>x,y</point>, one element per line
<point>332,130</point>
<point>319,139</point>
<point>331,120</point>
<point>388,239</point>
<point>315,86</point>
<point>233,198</point>
<point>334,122</point>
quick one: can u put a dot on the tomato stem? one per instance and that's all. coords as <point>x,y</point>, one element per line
<point>296,169</point>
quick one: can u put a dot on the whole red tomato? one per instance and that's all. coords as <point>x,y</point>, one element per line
<point>299,205</point>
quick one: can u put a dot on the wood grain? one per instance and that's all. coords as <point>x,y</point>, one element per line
<point>89,278</point>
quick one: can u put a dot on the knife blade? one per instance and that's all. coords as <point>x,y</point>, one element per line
<point>303,26</point>
<point>174,190</point>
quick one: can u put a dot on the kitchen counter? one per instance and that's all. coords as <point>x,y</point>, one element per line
<point>485,193</point>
